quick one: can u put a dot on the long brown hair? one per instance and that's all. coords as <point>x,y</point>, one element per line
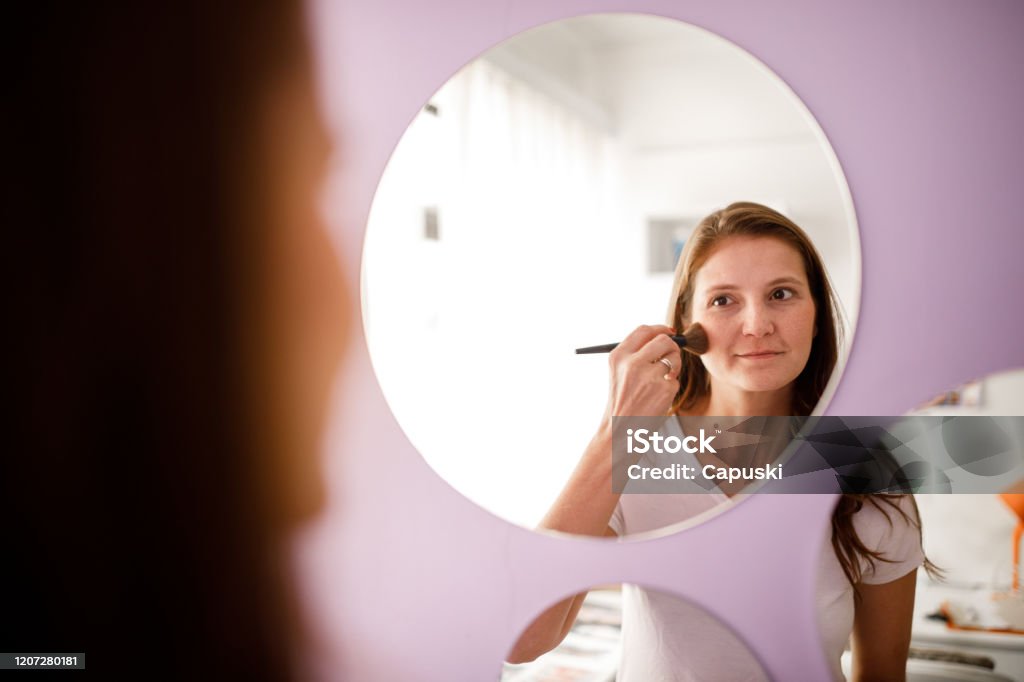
<point>747,219</point>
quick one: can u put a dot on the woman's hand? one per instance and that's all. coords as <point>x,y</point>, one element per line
<point>641,384</point>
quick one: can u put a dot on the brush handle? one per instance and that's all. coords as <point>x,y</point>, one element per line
<point>609,347</point>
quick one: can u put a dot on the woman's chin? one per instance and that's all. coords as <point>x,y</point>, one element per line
<point>763,384</point>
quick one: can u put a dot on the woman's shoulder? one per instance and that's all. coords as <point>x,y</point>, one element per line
<point>884,517</point>
<point>890,526</point>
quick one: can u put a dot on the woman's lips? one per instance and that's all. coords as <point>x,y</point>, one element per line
<point>760,355</point>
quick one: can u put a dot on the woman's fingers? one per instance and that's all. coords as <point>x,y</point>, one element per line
<point>639,337</point>
<point>664,353</point>
<point>659,347</point>
<point>644,372</point>
<point>651,350</point>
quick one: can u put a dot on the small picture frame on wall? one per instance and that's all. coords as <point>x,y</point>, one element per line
<point>431,224</point>
<point>666,238</point>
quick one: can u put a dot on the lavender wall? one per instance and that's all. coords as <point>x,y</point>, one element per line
<point>922,101</point>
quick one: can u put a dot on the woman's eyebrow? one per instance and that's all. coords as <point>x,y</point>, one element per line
<point>786,280</point>
<point>774,282</point>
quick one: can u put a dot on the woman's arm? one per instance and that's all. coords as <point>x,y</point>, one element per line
<point>639,386</point>
<point>583,507</point>
<point>881,629</point>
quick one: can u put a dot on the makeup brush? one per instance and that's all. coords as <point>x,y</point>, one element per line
<point>694,340</point>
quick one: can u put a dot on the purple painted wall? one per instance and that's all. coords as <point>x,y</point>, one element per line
<point>922,102</point>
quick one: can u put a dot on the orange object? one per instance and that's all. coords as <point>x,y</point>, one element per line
<point>1015,501</point>
<point>953,624</point>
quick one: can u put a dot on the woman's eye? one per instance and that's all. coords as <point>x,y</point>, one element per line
<point>782,294</point>
<point>719,301</point>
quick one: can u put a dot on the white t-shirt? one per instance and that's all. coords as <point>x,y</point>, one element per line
<point>666,639</point>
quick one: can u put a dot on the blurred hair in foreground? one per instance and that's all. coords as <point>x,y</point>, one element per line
<point>169,294</point>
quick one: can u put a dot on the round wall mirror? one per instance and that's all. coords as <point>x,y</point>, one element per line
<point>974,538</point>
<point>632,632</point>
<point>539,202</point>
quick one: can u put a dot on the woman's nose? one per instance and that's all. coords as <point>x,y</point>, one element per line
<point>757,320</point>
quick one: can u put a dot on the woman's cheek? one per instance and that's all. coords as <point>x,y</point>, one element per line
<point>715,360</point>
<point>805,323</point>
<point>718,339</point>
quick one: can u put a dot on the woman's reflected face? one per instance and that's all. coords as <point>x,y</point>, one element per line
<point>752,297</point>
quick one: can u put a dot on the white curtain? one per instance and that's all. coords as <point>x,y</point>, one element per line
<point>472,335</point>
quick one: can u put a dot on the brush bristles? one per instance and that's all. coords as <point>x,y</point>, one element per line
<point>696,339</point>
